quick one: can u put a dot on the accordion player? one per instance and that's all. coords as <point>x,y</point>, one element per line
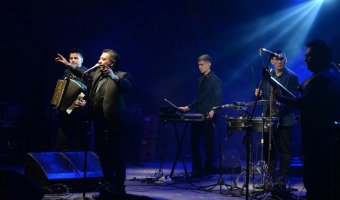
<point>66,92</point>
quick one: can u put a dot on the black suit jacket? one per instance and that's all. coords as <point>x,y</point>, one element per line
<point>108,98</point>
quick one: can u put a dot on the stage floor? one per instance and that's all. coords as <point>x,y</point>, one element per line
<point>152,179</point>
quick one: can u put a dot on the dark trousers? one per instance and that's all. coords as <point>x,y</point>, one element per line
<point>317,176</point>
<point>280,144</point>
<point>72,130</point>
<point>111,152</point>
<point>199,130</point>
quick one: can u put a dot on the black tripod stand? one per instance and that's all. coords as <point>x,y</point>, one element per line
<point>159,172</point>
<point>220,181</point>
<point>85,170</point>
<point>248,141</point>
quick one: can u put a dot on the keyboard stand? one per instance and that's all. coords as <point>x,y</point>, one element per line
<point>180,141</point>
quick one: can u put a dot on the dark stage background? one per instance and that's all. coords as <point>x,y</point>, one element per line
<point>159,42</point>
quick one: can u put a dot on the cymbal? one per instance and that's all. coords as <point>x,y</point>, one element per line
<point>260,102</point>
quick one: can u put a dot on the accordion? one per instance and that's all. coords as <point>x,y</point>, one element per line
<point>66,92</point>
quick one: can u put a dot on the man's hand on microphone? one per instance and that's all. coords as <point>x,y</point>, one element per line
<point>108,71</point>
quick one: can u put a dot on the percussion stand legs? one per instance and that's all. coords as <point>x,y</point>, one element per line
<point>159,172</point>
<point>252,168</point>
<point>262,164</point>
<point>265,180</point>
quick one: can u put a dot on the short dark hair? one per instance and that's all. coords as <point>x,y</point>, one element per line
<point>114,56</point>
<point>281,52</point>
<point>77,50</point>
<point>322,49</point>
<point>205,57</point>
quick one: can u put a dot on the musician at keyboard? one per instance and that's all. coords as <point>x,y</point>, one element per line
<point>167,113</point>
<point>209,95</point>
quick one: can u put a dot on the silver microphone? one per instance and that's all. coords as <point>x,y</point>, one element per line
<point>222,106</point>
<point>90,69</point>
<point>271,53</point>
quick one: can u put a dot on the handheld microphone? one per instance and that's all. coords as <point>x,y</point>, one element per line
<point>90,69</point>
<point>273,54</point>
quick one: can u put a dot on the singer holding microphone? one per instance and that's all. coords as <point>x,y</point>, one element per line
<point>281,138</point>
<point>108,112</point>
<point>209,96</point>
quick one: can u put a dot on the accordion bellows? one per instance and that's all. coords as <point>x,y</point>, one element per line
<point>66,92</point>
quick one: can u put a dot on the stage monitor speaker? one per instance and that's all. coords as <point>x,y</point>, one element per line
<point>66,168</point>
<point>230,162</point>
<point>14,185</point>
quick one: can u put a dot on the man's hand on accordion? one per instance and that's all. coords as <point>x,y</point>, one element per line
<point>80,102</point>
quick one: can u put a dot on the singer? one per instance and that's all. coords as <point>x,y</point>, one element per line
<point>72,127</point>
<point>209,96</point>
<point>281,138</point>
<point>109,115</point>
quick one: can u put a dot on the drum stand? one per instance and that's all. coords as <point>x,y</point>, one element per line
<point>261,166</point>
<point>159,172</point>
<point>266,182</point>
<point>258,171</point>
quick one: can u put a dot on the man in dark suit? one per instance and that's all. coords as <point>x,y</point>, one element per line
<point>281,137</point>
<point>209,96</point>
<point>319,111</point>
<point>108,113</point>
<point>72,125</point>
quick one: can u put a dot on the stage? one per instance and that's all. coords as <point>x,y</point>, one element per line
<point>150,180</point>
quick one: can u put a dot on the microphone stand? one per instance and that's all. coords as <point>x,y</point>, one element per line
<point>85,170</point>
<point>247,138</point>
<point>220,181</point>
<point>86,146</point>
